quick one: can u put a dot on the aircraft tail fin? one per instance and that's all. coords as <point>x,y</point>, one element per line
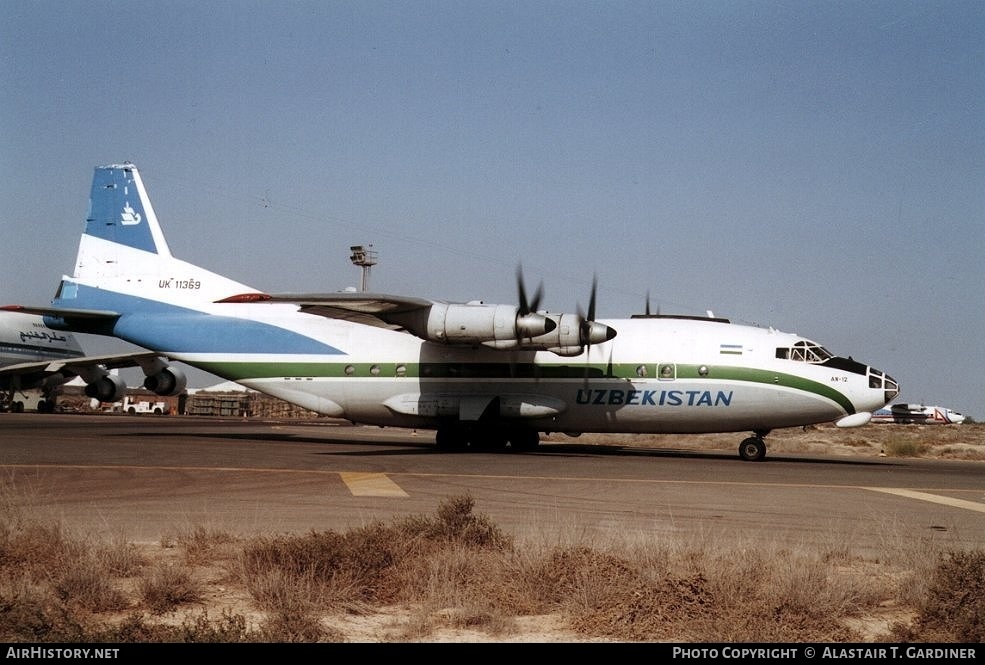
<point>120,212</point>
<point>124,262</point>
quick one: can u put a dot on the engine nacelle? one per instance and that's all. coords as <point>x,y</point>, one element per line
<point>107,388</point>
<point>568,337</point>
<point>168,381</point>
<point>477,323</point>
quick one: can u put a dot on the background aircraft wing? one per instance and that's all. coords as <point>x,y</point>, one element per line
<point>63,312</point>
<point>77,366</point>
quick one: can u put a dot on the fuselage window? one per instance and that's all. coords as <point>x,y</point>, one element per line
<point>806,352</point>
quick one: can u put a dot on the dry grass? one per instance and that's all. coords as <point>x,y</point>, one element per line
<point>959,442</point>
<point>455,576</point>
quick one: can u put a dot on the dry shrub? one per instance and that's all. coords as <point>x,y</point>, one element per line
<point>315,570</point>
<point>460,577</point>
<point>167,587</point>
<point>953,610</point>
<point>31,613</point>
<point>120,558</point>
<point>605,595</point>
<point>297,626</point>
<point>36,549</point>
<point>904,446</point>
<point>87,585</point>
<point>367,562</point>
<point>201,629</point>
<point>201,543</point>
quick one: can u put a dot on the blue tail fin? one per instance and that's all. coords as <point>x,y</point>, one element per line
<point>121,212</point>
<point>124,263</point>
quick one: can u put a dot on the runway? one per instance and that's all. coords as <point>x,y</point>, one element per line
<point>144,477</point>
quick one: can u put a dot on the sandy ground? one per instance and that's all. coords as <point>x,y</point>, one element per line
<point>402,624</point>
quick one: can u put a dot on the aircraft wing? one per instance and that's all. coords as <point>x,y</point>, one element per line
<point>372,309</point>
<point>63,312</point>
<point>77,366</point>
<point>363,303</point>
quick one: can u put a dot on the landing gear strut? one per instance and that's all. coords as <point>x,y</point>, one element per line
<point>459,437</point>
<point>753,449</point>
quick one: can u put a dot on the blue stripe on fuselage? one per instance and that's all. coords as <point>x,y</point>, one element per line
<point>171,329</point>
<point>116,212</point>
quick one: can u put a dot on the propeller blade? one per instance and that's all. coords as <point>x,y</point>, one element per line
<point>527,306</point>
<point>521,292</point>
<point>591,301</point>
<point>591,331</point>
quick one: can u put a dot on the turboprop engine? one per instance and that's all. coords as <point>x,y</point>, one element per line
<point>508,326</point>
<point>479,323</point>
<point>568,336</point>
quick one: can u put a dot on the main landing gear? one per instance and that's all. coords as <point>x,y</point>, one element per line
<point>453,438</point>
<point>753,449</point>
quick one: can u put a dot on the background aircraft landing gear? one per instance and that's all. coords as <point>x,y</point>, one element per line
<point>752,449</point>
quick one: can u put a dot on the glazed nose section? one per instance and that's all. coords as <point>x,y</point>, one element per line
<point>881,381</point>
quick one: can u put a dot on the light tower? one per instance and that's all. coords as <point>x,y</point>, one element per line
<point>365,258</point>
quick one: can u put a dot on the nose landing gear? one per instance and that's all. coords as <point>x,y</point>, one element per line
<point>753,449</point>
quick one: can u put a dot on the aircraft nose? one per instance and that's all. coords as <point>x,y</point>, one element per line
<point>882,381</point>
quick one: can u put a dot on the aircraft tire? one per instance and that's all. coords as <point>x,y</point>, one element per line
<point>752,449</point>
<point>488,439</point>
<point>451,439</point>
<point>524,440</point>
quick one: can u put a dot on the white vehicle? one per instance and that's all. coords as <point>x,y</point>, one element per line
<point>134,406</point>
<point>484,376</point>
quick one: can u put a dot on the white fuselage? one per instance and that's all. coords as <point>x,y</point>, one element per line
<point>657,375</point>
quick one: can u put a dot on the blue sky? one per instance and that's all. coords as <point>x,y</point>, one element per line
<point>814,166</point>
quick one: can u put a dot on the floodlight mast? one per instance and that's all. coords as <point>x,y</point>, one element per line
<point>363,256</point>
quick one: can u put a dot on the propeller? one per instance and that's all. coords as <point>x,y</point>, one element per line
<point>648,313</point>
<point>593,332</point>
<point>525,306</point>
<point>529,323</point>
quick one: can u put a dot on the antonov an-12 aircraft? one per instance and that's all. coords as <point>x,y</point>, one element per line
<point>483,376</point>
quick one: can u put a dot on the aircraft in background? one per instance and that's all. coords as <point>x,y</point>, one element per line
<point>36,360</point>
<point>483,376</point>
<point>909,414</point>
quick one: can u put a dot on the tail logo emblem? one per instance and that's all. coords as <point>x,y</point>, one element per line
<point>129,216</point>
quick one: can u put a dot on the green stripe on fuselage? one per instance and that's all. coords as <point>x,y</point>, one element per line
<point>238,371</point>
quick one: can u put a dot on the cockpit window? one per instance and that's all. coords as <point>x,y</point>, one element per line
<point>805,352</point>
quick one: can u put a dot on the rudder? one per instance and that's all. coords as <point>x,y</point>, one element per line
<point>120,211</point>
